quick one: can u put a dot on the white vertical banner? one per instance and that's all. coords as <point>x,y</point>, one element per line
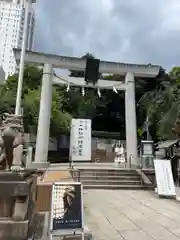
<point>80,140</point>
<point>164,178</point>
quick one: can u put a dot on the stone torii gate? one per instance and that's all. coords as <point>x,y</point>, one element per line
<point>50,61</point>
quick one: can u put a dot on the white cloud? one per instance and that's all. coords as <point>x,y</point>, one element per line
<point>130,31</point>
<point>171,16</point>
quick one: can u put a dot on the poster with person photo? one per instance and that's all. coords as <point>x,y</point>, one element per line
<point>66,206</point>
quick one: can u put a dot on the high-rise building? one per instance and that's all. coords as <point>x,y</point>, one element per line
<point>12,16</point>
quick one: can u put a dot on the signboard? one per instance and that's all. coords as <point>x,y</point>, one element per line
<point>164,178</point>
<point>80,140</point>
<point>66,207</point>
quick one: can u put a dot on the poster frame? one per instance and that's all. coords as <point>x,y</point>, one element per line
<point>64,232</point>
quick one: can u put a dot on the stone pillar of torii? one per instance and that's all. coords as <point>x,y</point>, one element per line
<point>49,61</point>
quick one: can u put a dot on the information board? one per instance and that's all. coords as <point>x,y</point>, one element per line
<point>80,140</point>
<point>164,178</point>
<point>66,207</point>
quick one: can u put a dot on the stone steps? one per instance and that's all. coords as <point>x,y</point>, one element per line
<point>118,187</point>
<point>110,178</point>
<point>107,172</point>
<point>110,182</point>
<point>116,170</point>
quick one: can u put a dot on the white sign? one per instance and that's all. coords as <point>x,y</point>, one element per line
<point>80,140</point>
<point>164,178</point>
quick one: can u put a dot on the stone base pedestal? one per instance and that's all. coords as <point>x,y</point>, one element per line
<point>13,230</point>
<point>17,204</point>
<point>43,228</point>
<point>78,236</point>
<point>38,165</point>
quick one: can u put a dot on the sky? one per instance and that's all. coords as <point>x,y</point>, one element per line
<point>133,31</point>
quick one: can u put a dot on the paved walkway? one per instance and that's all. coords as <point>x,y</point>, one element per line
<point>131,215</point>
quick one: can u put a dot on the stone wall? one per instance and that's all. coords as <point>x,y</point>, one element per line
<point>102,156</point>
<point>102,149</point>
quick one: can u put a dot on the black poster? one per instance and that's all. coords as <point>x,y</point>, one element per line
<point>66,207</point>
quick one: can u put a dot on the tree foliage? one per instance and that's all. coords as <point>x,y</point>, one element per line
<point>60,119</point>
<point>108,112</point>
<point>162,104</point>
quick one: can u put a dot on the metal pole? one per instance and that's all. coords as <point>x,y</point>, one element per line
<point>23,52</point>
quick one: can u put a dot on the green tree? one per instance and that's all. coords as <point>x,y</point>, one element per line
<point>108,113</point>
<point>60,119</point>
<point>32,79</point>
<point>162,104</point>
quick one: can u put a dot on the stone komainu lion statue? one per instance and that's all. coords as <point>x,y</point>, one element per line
<point>11,142</point>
